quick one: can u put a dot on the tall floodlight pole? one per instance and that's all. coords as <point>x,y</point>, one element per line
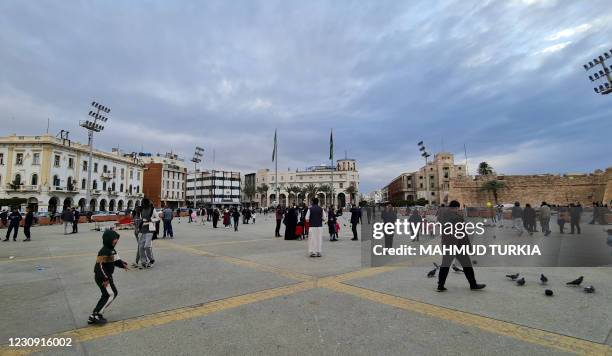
<point>331,158</point>
<point>603,73</point>
<point>425,155</point>
<point>93,126</point>
<point>197,158</point>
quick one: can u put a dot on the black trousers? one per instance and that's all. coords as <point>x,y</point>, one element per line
<point>236,221</point>
<point>354,228</point>
<point>574,224</point>
<point>465,262</point>
<point>277,231</point>
<point>75,227</point>
<point>215,221</point>
<point>26,231</point>
<point>388,241</point>
<point>15,229</point>
<point>105,295</point>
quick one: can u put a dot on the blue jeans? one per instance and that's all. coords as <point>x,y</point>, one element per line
<point>168,228</point>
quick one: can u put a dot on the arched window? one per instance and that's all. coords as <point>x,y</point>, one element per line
<point>105,169</point>
<point>104,185</point>
<point>113,186</point>
<point>17,180</point>
<point>130,191</point>
<point>69,183</point>
<point>137,189</point>
<point>34,180</point>
<point>84,184</point>
<point>95,184</point>
<point>121,187</point>
<point>56,181</point>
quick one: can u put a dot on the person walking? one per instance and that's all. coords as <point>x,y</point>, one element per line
<point>315,217</point>
<point>499,211</point>
<point>575,213</point>
<point>190,219</point>
<point>75,223</point>
<point>27,223</point>
<point>291,221</point>
<point>215,217</point>
<point>545,218</point>
<point>389,216</point>
<point>13,224</point>
<point>279,218</point>
<point>355,219</point>
<point>517,218</point>
<point>167,215</point>
<point>67,218</point>
<point>529,218</point>
<point>147,228</point>
<point>236,217</point>
<point>137,222</point>
<point>226,218</point>
<point>453,216</point>
<point>331,224</point>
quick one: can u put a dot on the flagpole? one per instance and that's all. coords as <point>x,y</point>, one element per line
<point>331,156</point>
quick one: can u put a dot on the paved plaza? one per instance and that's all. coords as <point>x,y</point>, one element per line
<point>220,292</point>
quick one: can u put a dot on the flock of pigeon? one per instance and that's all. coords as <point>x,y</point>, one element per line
<point>521,281</point>
<point>544,280</point>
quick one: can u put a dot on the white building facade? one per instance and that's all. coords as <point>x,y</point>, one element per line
<point>51,173</point>
<point>297,187</point>
<point>213,188</point>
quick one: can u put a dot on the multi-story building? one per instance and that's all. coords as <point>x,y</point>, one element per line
<point>430,182</point>
<point>293,186</point>
<point>50,173</point>
<point>164,179</point>
<point>249,188</point>
<point>213,188</point>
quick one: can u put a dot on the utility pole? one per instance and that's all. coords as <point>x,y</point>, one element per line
<point>93,126</point>
<point>425,155</point>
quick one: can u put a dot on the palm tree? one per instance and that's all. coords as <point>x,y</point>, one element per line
<point>263,190</point>
<point>310,189</point>
<point>351,190</point>
<point>484,169</point>
<point>295,190</point>
<point>493,186</point>
<point>327,190</point>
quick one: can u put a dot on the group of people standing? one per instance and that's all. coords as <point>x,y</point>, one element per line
<point>525,218</point>
<point>306,222</point>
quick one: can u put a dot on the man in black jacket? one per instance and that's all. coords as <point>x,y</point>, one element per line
<point>29,220</point>
<point>103,274</point>
<point>75,222</point>
<point>355,219</point>
<point>14,218</point>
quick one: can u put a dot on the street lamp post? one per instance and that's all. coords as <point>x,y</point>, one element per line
<point>425,155</point>
<point>197,158</point>
<point>93,126</point>
<point>603,73</point>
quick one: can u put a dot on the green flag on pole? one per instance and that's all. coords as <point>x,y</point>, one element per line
<point>274,151</point>
<point>331,145</point>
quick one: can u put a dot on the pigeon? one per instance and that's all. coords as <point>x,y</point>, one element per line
<point>456,269</point>
<point>432,273</point>
<point>513,276</point>
<point>543,279</point>
<point>521,282</point>
<point>575,282</point>
<point>589,289</point>
<point>436,265</point>
<point>548,293</point>
<point>475,262</point>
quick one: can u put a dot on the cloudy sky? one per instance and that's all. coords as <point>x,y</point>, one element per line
<point>503,77</point>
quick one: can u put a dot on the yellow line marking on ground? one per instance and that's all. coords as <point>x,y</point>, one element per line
<point>522,333</point>
<point>241,262</point>
<point>165,317</point>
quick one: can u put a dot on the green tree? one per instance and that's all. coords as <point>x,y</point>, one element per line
<point>351,191</point>
<point>310,190</point>
<point>493,186</point>
<point>295,190</point>
<point>484,169</point>
<point>263,190</point>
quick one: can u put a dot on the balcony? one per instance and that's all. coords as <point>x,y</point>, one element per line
<point>96,192</point>
<point>112,193</point>
<point>107,175</point>
<point>22,188</point>
<point>60,189</point>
